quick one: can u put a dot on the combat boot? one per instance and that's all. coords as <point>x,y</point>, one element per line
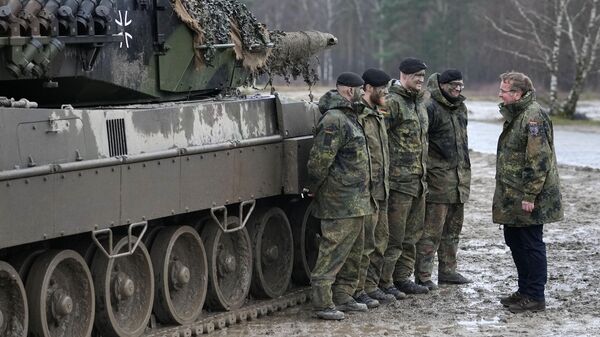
<point>382,297</point>
<point>362,297</point>
<point>527,304</point>
<point>394,292</point>
<point>452,278</point>
<point>409,287</point>
<point>511,299</point>
<point>351,305</point>
<point>429,284</point>
<point>330,314</point>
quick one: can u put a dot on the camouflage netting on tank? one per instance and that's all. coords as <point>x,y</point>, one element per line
<point>228,21</point>
<point>224,21</point>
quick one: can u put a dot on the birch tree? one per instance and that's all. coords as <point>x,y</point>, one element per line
<point>540,35</point>
<point>583,34</point>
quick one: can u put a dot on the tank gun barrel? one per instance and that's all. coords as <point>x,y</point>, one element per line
<point>299,45</point>
<point>293,54</point>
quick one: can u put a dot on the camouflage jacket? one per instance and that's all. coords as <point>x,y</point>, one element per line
<point>526,167</point>
<point>406,121</point>
<point>448,163</point>
<point>371,119</point>
<point>338,166</point>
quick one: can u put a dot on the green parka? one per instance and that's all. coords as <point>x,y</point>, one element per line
<point>526,167</point>
<point>448,163</point>
<point>338,167</point>
<point>406,121</point>
<point>371,120</point>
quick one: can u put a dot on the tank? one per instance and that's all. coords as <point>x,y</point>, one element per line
<point>141,194</point>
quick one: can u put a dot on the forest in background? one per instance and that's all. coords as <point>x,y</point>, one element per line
<point>482,38</point>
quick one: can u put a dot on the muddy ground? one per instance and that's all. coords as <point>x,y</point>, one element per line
<point>573,308</point>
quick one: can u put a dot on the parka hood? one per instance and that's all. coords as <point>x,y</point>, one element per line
<point>333,100</point>
<point>398,89</point>
<point>433,86</point>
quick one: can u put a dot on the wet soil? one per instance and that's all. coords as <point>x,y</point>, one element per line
<point>573,308</point>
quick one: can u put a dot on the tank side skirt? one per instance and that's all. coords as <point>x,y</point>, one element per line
<point>84,200</point>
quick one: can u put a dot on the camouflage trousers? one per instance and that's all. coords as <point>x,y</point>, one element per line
<point>443,224</point>
<point>335,276</point>
<point>376,239</point>
<point>405,218</point>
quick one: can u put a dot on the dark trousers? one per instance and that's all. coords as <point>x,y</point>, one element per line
<point>529,253</point>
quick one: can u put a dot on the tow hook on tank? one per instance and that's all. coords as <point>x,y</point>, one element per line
<point>224,224</point>
<point>131,246</point>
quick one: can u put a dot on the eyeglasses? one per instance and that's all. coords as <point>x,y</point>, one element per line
<point>456,85</point>
<point>502,91</point>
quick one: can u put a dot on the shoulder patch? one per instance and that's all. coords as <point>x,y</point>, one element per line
<point>534,128</point>
<point>330,129</point>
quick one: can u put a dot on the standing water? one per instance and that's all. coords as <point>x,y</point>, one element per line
<point>577,148</point>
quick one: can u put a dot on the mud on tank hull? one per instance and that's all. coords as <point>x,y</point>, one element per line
<point>117,217</point>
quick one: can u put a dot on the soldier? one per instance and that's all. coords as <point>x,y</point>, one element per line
<point>527,192</point>
<point>448,179</point>
<point>407,132</point>
<point>339,176</point>
<point>376,227</point>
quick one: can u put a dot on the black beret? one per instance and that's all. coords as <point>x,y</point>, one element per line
<point>411,65</point>
<point>450,75</point>
<point>376,77</point>
<point>350,79</point>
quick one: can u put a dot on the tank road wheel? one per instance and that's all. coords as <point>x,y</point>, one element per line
<point>124,291</point>
<point>229,257</point>
<point>307,231</point>
<point>14,314</point>
<point>61,295</point>
<point>181,275</point>
<point>273,250</point>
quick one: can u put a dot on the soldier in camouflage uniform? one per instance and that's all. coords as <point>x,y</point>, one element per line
<point>448,179</point>
<point>527,192</point>
<point>376,227</point>
<point>406,121</point>
<point>339,176</point>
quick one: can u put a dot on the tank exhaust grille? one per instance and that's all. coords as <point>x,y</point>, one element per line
<point>117,142</point>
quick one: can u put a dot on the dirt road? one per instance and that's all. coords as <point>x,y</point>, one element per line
<point>573,308</point>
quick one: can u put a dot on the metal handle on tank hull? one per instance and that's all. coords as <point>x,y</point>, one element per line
<point>243,219</point>
<point>130,246</point>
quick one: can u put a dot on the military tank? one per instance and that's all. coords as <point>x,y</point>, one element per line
<point>141,194</point>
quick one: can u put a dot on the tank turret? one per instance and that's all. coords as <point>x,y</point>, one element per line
<point>105,52</point>
<point>136,220</point>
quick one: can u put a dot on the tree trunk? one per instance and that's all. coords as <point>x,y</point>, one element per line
<point>554,104</point>
<point>570,106</point>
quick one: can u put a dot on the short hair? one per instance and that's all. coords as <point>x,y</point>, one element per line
<point>518,81</point>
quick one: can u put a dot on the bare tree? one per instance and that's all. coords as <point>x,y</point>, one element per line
<point>583,34</point>
<point>540,35</point>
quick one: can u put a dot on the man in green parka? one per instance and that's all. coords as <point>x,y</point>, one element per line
<point>406,120</point>
<point>527,192</point>
<point>339,179</point>
<point>448,179</point>
<point>370,118</point>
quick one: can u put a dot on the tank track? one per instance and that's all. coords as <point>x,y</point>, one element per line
<point>253,310</point>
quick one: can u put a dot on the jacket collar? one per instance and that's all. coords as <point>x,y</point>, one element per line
<point>398,89</point>
<point>433,86</point>
<point>333,100</point>
<point>510,111</point>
